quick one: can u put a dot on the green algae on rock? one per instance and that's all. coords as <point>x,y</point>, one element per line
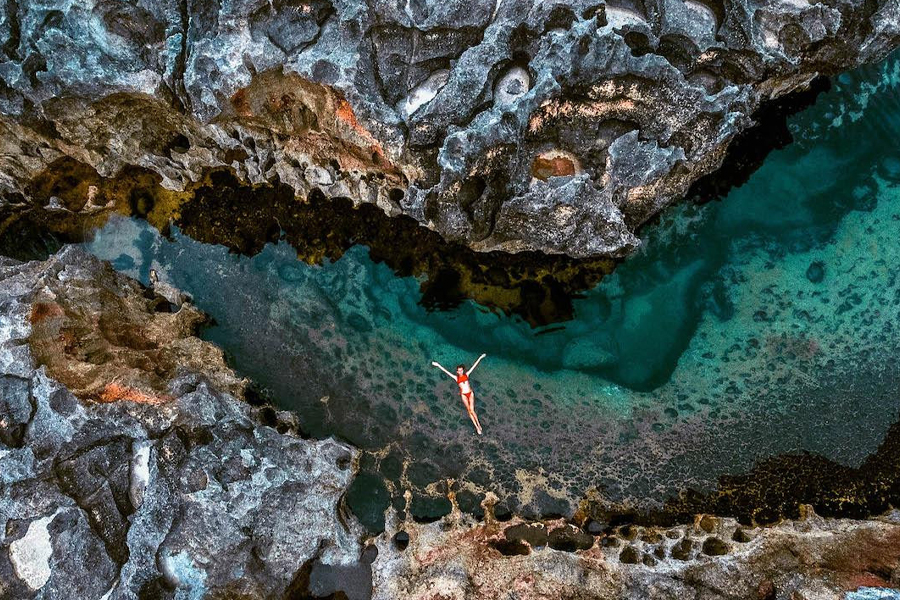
<point>219,209</point>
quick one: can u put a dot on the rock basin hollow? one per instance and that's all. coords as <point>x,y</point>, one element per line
<point>743,329</point>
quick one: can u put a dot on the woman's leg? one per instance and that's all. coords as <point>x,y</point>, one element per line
<point>469,402</point>
<point>472,414</point>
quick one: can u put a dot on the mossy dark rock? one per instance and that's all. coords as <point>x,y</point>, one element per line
<point>630,555</point>
<point>650,536</point>
<point>569,539</point>
<point>816,272</point>
<point>713,546</point>
<point>502,513</point>
<point>595,527</point>
<point>610,542</point>
<point>628,532</point>
<point>512,547</point>
<point>533,533</point>
<point>682,550</point>
<point>740,536</point>
<point>708,523</point>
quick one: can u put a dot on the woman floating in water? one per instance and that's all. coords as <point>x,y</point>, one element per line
<point>465,389</point>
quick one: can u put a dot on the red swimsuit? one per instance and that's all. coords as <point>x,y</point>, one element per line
<point>459,381</point>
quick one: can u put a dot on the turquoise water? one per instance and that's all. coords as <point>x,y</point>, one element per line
<point>761,324</point>
<point>873,593</point>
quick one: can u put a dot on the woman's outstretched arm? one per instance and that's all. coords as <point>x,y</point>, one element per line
<point>435,363</point>
<point>476,364</point>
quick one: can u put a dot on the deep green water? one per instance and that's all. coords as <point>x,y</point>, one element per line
<point>761,324</point>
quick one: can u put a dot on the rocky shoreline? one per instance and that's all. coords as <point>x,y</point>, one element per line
<point>560,128</point>
<point>811,558</point>
<point>131,465</point>
<point>161,485</point>
<point>153,483</point>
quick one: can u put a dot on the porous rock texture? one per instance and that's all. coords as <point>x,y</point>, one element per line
<point>509,124</point>
<point>711,559</point>
<point>152,483</point>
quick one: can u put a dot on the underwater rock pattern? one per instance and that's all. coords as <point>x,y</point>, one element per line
<point>194,497</point>
<point>559,127</point>
<point>187,496</point>
<point>691,361</point>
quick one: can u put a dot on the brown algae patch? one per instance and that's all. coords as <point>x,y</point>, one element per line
<point>70,198</point>
<point>118,341</point>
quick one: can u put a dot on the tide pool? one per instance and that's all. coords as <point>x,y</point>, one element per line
<point>758,325</point>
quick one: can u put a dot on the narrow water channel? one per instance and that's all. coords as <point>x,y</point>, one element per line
<point>758,325</point>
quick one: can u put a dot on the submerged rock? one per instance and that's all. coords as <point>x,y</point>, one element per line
<point>713,546</point>
<point>630,556</point>
<point>192,496</point>
<point>816,272</point>
<point>559,128</point>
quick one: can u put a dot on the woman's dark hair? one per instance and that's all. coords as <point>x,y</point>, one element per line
<point>463,367</point>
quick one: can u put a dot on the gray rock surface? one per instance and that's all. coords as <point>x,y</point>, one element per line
<point>188,497</point>
<point>191,493</point>
<point>451,112</point>
<point>809,559</point>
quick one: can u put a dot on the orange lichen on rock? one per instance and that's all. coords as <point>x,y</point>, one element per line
<point>553,166</point>
<point>313,125</point>
<point>241,104</point>
<point>113,392</point>
<point>344,112</point>
<point>475,540</point>
<point>100,335</point>
<point>864,556</point>
<point>317,119</point>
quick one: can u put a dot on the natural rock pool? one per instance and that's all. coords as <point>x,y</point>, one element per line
<point>756,326</point>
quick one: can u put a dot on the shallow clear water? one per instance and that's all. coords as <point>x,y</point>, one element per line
<point>758,325</point>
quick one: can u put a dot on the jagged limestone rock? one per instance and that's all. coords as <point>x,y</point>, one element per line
<point>177,492</point>
<point>444,111</point>
<point>462,558</point>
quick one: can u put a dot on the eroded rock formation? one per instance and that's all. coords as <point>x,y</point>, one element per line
<point>176,489</point>
<point>151,478</point>
<point>559,127</point>
<point>710,558</point>
<point>220,209</point>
